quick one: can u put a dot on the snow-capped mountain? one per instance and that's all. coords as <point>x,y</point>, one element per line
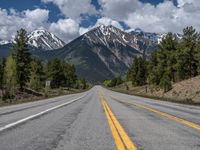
<point>45,40</point>
<point>112,37</point>
<point>177,36</point>
<point>114,40</point>
<point>154,37</point>
<point>104,52</point>
<point>4,42</point>
<point>41,39</point>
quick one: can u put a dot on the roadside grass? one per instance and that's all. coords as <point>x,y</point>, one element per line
<point>140,91</point>
<point>53,93</point>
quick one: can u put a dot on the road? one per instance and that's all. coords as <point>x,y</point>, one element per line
<point>100,119</point>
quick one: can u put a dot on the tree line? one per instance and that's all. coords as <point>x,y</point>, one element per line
<point>172,62</point>
<point>21,70</point>
<point>113,82</point>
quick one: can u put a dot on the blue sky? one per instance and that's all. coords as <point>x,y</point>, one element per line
<point>55,13</point>
<point>70,18</point>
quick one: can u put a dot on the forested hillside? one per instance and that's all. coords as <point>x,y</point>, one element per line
<point>173,61</point>
<point>20,72</point>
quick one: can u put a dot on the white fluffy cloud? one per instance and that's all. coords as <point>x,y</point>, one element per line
<point>107,21</point>
<point>66,29</point>
<point>118,9</point>
<point>11,21</point>
<point>83,30</point>
<point>164,17</point>
<point>73,8</point>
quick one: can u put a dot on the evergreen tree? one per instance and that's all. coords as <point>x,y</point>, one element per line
<point>168,51</point>
<point>70,74</point>
<point>133,71</point>
<point>2,66</point>
<point>36,75</point>
<point>1,76</point>
<point>198,55</point>
<point>173,61</point>
<point>84,84</point>
<point>61,73</point>
<point>10,77</point>
<point>138,72</point>
<point>187,62</point>
<point>165,82</point>
<point>119,80</point>
<point>55,73</point>
<point>152,70</point>
<point>23,57</point>
<point>129,75</point>
<point>162,68</point>
<point>142,72</point>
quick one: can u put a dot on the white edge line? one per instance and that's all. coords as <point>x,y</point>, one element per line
<point>38,114</point>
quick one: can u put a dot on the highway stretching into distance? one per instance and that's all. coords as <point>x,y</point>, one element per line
<point>100,119</point>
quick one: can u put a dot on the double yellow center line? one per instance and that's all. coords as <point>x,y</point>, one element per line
<point>122,140</point>
<point>180,120</point>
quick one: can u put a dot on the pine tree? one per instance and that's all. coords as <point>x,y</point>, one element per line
<point>84,84</point>
<point>168,50</point>
<point>55,73</point>
<point>119,80</point>
<point>2,66</point>
<point>165,82</point>
<point>129,75</point>
<point>187,62</point>
<point>152,70</point>
<point>23,57</point>
<point>134,71</point>
<point>10,77</point>
<point>198,55</point>
<point>138,72</point>
<point>36,75</point>
<point>142,72</point>
<point>70,75</point>
<point>163,61</point>
<point>61,73</point>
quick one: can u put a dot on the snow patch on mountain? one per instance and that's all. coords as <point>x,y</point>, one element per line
<point>154,37</point>
<point>4,42</point>
<point>45,40</point>
<point>110,36</point>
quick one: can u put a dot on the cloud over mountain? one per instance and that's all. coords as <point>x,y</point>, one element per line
<point>12,20</point>
<point>162,17</point>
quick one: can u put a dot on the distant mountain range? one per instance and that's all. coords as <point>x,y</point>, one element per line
<point>99,54</point>
<point>41,39</point>
<point>153,37</point>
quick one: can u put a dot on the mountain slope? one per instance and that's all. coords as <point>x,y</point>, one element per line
<point>103,52</point>
<point>41,39</point>
<point>45,40</point>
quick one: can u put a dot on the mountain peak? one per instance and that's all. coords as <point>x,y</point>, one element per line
<point>38,32</point>
<point>4,42</point>
<point>138,30</point>
<point>43,39</point>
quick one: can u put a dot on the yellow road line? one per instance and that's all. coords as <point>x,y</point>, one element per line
<point>121,131</point>
<point>117,129</point>
<point>118,142</point>
<point>185,122</point>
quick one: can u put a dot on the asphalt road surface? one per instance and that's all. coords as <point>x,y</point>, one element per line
<point>100,119</point>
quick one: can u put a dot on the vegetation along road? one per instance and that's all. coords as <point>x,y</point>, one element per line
<point>100,119</point>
